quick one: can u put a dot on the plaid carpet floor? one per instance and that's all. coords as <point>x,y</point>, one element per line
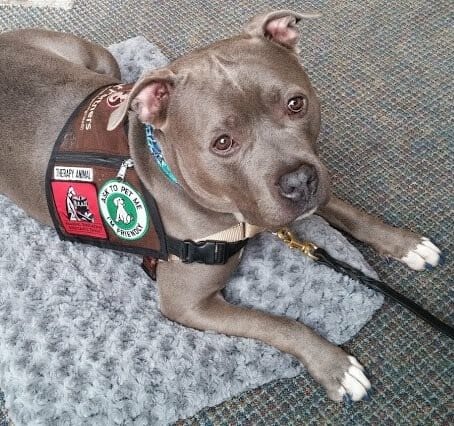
<point>384,74</point>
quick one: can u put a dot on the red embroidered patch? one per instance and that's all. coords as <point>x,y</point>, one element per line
<point>77,207</point>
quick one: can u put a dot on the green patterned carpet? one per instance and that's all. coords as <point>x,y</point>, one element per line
<point>383,71</point>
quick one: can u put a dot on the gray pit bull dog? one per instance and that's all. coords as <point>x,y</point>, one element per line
<point>238,123</point>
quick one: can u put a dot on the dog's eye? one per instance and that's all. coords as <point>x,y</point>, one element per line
<point>223,143</point>
<point>297,104</point>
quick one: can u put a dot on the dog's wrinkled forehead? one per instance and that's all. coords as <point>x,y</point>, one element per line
<point>240,63</point>
<point>240,82</point>
<point>265,53</point>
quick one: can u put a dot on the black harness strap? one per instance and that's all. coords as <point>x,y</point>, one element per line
<point>207,252</point>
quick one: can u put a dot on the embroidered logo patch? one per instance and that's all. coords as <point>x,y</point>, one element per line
<point>123,209</point>
<point>77,208</point>
<point>116,98</point>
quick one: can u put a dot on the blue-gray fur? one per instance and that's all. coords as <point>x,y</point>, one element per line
<point>82,339</point>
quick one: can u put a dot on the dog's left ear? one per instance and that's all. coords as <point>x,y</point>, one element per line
<point>279,26</point>
<point>149,98</point>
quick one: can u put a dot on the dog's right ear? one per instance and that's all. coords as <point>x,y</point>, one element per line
<point>149,98</point>
<point>278,26</point>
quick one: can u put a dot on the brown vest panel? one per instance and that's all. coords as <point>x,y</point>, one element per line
<point>88,200</point>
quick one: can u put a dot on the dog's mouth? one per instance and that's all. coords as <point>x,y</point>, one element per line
<point>290,210</point>
<point>283,211</point>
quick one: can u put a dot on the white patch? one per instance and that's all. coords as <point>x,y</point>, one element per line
<point>62,4</point>
<point>241,253</point>
<point>307,214</point>
<point>123,209</point>
<point>429,244</point>
<point>239,217</point>
<point>80,174</point>
<point>425,253</point>
<point>355,383</point>
<point>355,362</point>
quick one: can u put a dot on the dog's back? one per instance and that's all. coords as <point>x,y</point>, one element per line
<point>45,75</point>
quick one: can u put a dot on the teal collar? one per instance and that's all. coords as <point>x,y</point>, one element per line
<point>156,152</point>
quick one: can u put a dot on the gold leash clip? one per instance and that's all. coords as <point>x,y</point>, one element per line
<point>305,247</point>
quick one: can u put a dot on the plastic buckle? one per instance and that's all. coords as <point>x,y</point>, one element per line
<point>207,252</point>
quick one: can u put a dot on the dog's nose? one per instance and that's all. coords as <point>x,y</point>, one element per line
<point>299,185</point>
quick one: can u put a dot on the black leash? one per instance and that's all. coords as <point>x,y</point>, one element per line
<point>320,255</point>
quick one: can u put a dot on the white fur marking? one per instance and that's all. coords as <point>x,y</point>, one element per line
<point>342,392</point>
<point>358,374</point>
<point>355,383</point>
<point>414,261</point>
<point>354,388</point>
<point>425,252</point>
<point>307,214</point>
<point>431,245</point>
<point>355,362</point>
<point>239,217</point>
<point>429,255</point>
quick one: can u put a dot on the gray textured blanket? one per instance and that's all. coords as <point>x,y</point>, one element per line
<point>82,340</point>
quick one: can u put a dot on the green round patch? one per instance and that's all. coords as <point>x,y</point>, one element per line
<point>123,209</point>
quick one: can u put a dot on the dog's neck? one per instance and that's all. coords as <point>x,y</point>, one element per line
<point>182,217</point>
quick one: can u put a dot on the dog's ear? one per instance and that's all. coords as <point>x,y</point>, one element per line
<point>279,26</point>
<point>149,98</point>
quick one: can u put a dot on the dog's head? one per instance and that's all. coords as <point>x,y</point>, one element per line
<point>118,201</point>
<point>238,122</point>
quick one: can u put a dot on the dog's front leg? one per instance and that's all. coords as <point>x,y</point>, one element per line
<point>415,251</point>
<point>191,295</point>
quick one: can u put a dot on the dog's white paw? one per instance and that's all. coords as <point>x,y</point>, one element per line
<point>354,385</point>
<point>425,255</point>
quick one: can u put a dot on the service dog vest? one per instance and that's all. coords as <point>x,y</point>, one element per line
<point>95,196</point>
